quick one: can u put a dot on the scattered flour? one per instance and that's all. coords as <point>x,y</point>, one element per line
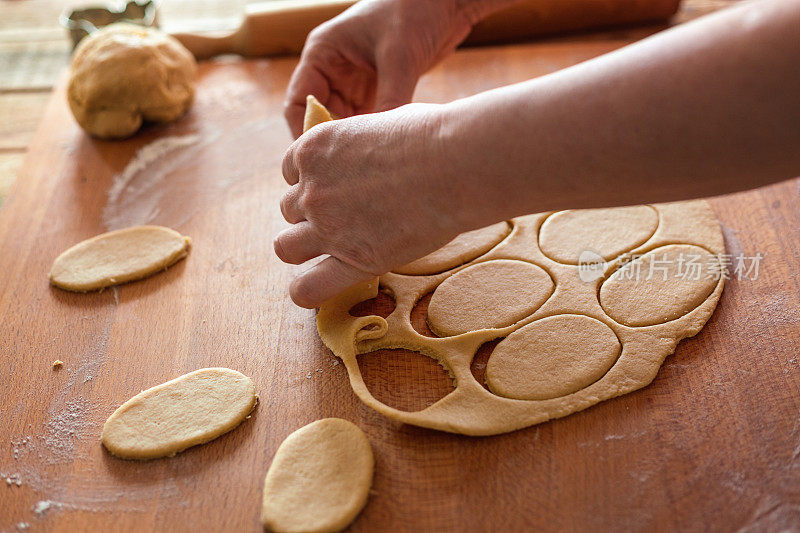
<point>12,479</point>
<point>145,157</point>
<point>634,435</point>
<point>197,169</point>
<point>43,506</point>
<point>63,428</point>
<point>141,173</point>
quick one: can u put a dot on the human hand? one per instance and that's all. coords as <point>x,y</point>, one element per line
<point>372,192</point>
<point>370,57</point>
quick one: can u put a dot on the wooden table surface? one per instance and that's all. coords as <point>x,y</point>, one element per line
<point>712,444</point>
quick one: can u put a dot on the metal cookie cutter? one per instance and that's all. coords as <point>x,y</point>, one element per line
<point>82,22</point>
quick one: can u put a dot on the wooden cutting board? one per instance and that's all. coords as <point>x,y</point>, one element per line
<point>713,443</point>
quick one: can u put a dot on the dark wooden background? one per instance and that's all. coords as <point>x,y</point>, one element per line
<point>712,444</point>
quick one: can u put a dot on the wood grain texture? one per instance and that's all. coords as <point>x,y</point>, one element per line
<point>21,114</point>
<point>711,444</point>
<point>10,163</point>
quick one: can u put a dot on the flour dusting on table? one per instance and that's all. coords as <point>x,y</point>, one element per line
<point>173,178</point>
<point>143,171</point>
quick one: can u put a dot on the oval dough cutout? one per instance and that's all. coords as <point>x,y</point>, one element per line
<point>319,479</point>
<point>660,286</point>
<point>494,294</point>
<point>118,257</point>
<point>608,232</point>
<point>552,357</point>
<point>168,418</point>
<point>459,251</point>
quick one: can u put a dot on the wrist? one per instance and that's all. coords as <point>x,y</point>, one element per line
<point>465,169</point>
<point>491,157</point>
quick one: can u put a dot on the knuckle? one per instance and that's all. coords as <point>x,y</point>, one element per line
<point>306,148</point>
<point>361,255</point>
<point>316,34</point>
<point>323,35</point>
<point>287,165</point>
<point>286,209</point>
<point>301,153</point>
<point>312,200</point>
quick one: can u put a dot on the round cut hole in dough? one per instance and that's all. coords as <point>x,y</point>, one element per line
<point>660,286</point>
<point>404,379</point>
<point>493,294</point>
<point>118,257</point>
<point>552,357</point>
<point>168,418</point>
<point>319,479</point>
<point>607,232</point>
<point>460,250</point>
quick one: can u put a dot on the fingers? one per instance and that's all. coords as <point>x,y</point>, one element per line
<point>395,87</point>
<point>324,280</point>
<point>290,205</point>
<point>298,244</point>
<point>294,113</point>
<point>306,80</point>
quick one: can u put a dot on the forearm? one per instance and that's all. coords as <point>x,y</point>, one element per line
<point>707,108</point>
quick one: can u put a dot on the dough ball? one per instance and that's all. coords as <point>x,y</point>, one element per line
<point>124,74</point>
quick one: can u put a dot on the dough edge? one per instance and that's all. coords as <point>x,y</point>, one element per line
<point>167,261</point>
<point>171,451</point>
<point>350,515</point>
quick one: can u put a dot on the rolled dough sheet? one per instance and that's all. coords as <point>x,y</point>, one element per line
<point>460,250</point>
<point>168,418</point>
<point>319,479</point>
<point>118,257</point>
<point>586,306</point>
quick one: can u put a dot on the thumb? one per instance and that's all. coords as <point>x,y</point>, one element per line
<point>395,86</point>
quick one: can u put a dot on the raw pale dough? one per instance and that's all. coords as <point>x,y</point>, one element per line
<point>493,294</point>
<point>316,113</point>
<point>124,74</point>
<point>319,479</point>
<point>168,418</point>
<point>460,250</point>
<point>606,232</point>
<point>577,345</point>
<point>552,357</point>
<point>660,286</point>
<point>117,257</point>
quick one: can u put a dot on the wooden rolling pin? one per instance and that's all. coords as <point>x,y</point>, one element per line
<point>280,27</point>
